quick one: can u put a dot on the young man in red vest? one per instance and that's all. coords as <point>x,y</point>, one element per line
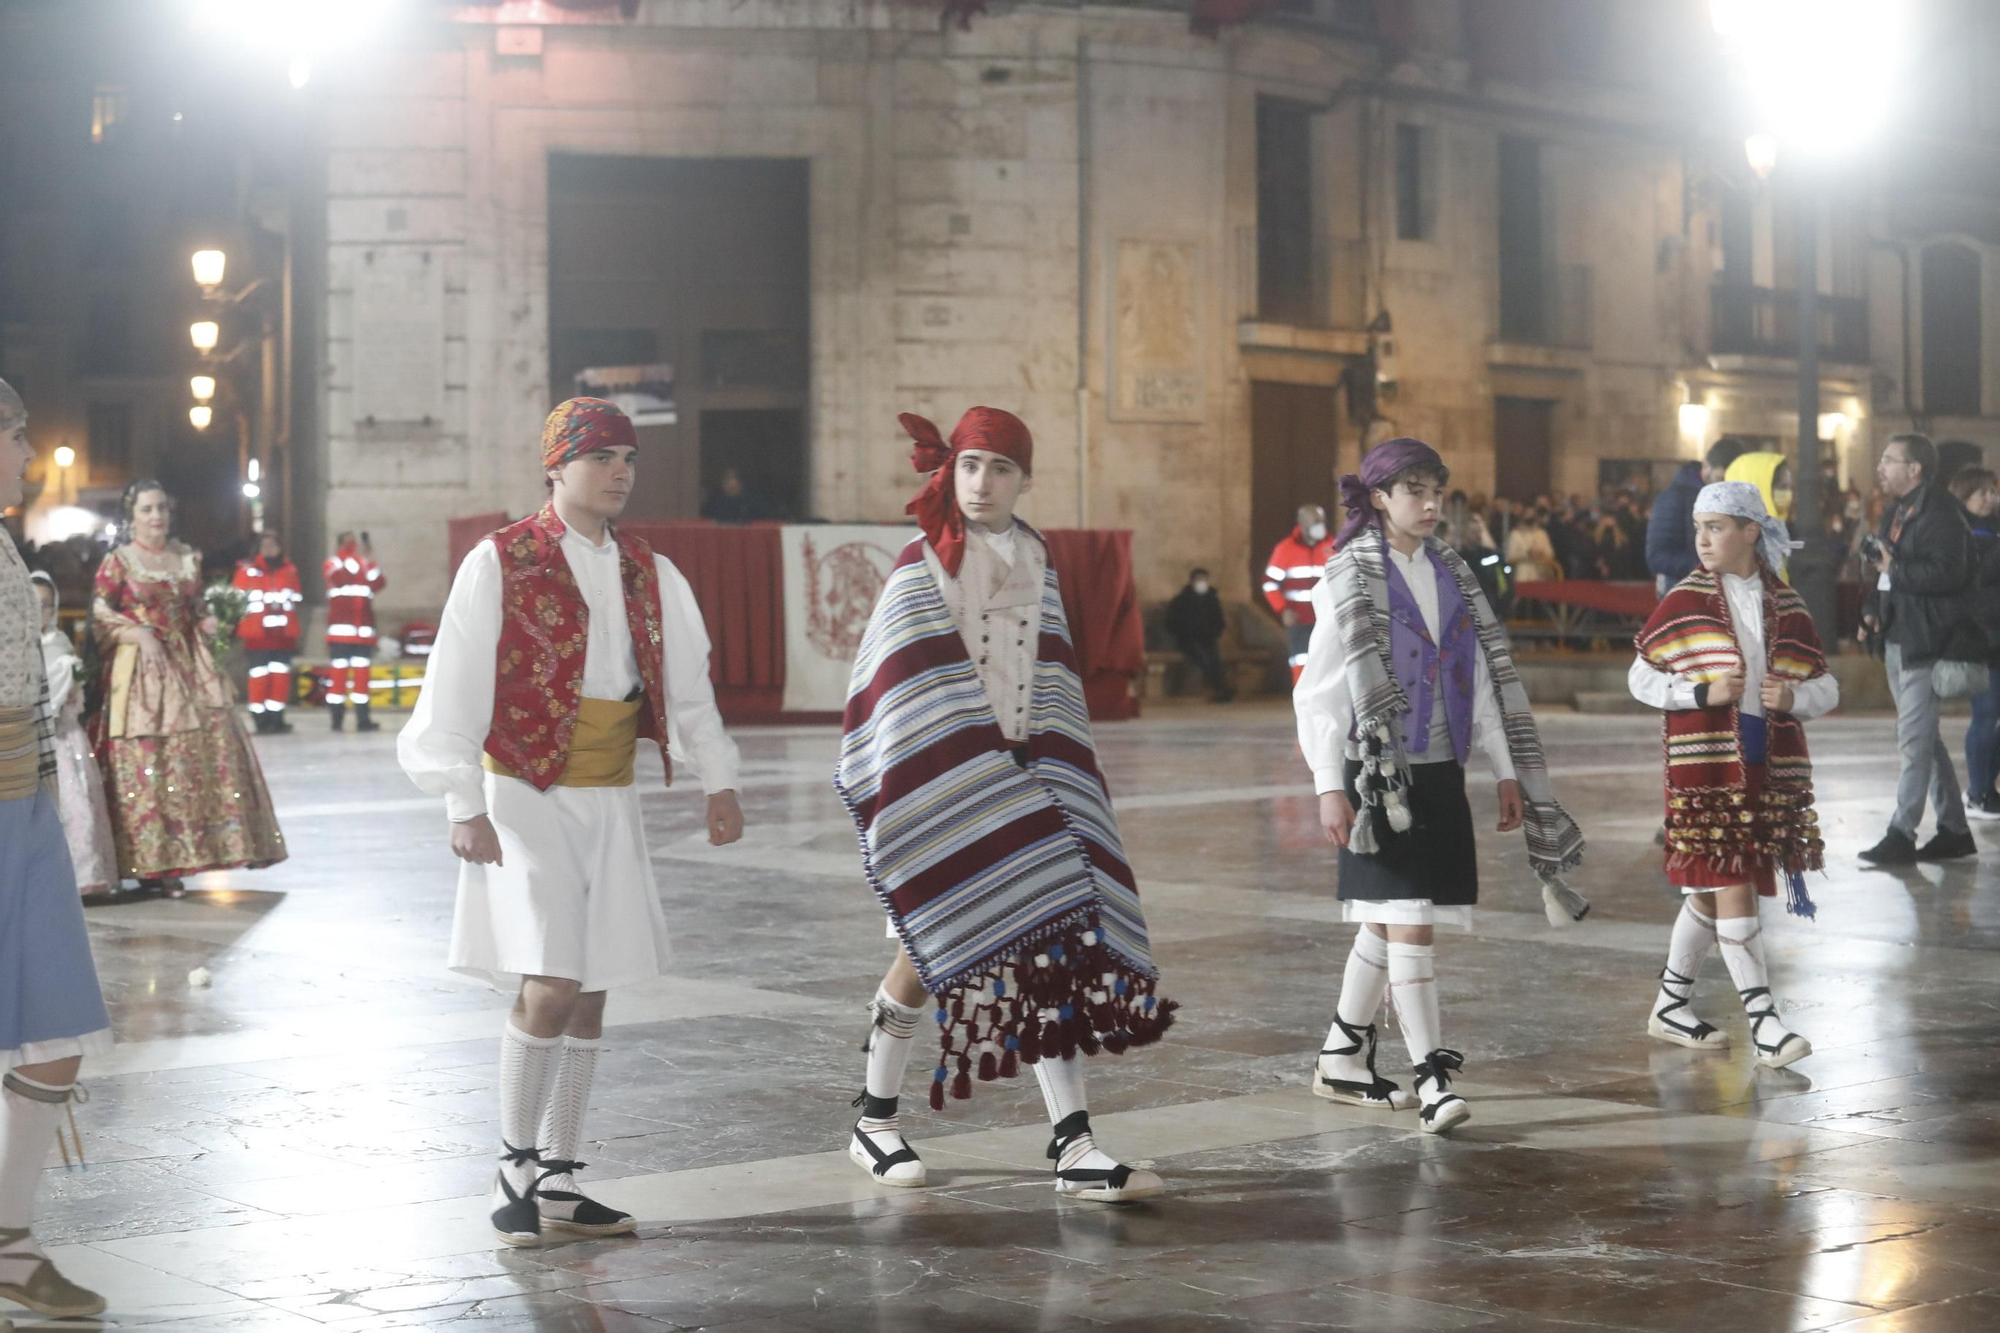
<point>352,580</point>
<point>1731,659</point>
<point>269,630</point>
<point>564,642</point>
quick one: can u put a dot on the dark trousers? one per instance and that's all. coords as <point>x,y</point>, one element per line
<point>1207,659</point>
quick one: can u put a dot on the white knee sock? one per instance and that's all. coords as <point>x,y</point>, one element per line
<point>1694,935</point>
<point>1741,938</point>
<point>889,1043</point>
<point>1362,984</point>
<point>1063,1094</point>
<point>561,1134</point>
<point>27,1131</point>
<point>1413,978</point>
<point>527,1073</point>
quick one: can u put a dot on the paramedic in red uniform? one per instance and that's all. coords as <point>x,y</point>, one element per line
<point>352,580</point>
<point>269,630</point>
<point>1290,576</point>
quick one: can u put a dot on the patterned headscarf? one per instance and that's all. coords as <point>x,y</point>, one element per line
<point>1742,499</point>
<point>582,424</point>
<point>936,506</point>
<point>1379,464</point>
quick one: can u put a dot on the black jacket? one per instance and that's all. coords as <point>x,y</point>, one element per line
<point>1670,530</point>
<point>1986,583</point>
<point>1928,608</point>
<point>1195,617</point>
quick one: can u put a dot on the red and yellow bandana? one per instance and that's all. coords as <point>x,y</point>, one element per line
<point>582,424</point>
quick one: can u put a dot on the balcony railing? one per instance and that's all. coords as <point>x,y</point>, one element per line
<point>1764,321</point>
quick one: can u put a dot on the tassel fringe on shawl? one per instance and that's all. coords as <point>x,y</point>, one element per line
<point>1361,619</point>
<point>1007,886</point>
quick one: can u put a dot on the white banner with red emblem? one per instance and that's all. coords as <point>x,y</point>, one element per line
<point>833,578</point>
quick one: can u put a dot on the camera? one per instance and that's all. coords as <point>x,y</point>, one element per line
<point>1871,548</point>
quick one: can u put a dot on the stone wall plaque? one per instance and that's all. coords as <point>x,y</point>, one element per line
<point>399,337</point>
<point>1156,361</point>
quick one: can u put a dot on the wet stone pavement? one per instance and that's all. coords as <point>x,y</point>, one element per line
<point>306,1143</point>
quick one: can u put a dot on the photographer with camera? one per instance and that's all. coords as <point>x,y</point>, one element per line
<point>1918,615</point>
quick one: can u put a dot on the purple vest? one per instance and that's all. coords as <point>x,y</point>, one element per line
<point>1420,664</point>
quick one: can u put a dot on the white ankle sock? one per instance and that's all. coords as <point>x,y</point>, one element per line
<point>1693,937</point>
<point>27,1131</point>
<point>1413,978</point>
<point>889,1043</point>
<point>1362,983</point>
<point>561,1135</point>
<point>527,1073</point>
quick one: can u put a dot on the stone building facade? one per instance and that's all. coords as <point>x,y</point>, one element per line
<point>1091,216</point>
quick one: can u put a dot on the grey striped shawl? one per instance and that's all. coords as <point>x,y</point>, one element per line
<point>1361,619</point>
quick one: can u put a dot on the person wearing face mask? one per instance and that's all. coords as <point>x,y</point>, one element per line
<point>1195,620</point>
<point>986,831</point>
<point>1290,576</point>
<point>187,794</point>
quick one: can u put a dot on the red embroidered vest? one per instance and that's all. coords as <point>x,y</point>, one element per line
<point>1713,813</point>
<point>544,633</point>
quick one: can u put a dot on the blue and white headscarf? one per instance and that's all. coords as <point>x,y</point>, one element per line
<point>1741,499</point>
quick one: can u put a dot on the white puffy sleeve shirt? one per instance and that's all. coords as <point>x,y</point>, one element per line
<point>441,745</point>
<point>1324,704</point>
<point>1665,689</point>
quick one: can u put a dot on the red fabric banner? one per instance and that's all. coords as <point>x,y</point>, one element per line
<point>738,580</point>
<point>1636,600</point>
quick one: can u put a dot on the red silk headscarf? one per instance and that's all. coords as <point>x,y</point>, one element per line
<point>936,506</point>
<point>580,425</point>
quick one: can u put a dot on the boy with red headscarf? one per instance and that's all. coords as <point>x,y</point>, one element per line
<point>564,643</point>
<point>986,831</point>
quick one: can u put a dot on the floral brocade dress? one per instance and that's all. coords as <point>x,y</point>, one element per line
<point>186,792</point>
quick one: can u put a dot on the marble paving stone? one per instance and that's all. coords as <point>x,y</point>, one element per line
<point>306,1143</point>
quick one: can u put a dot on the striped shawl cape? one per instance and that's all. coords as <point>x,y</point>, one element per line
<point>1007,886</point>
<point>1714,816</point>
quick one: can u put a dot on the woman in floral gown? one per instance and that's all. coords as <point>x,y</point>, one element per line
<point>186,792</point>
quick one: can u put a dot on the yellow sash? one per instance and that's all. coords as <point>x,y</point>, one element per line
<point>600,750</point>
<point>20,753</point>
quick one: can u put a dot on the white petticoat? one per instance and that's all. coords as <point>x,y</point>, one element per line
<point>1406,912</point>
<point>573,895</point>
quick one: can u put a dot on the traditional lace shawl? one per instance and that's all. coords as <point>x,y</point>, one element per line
<point>1361,619</point>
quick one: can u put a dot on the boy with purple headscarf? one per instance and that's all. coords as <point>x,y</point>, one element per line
<point>1407,667</point>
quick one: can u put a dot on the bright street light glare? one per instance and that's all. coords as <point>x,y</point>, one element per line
<point>202,387</point>
<point>292,25</point>
<point>204,334</point>
<point>209,266</point>
<point>250,491</point>
<point>64,455</point>
<point>200,415</point>
<point>255,469</point>
<point>1791,54</point>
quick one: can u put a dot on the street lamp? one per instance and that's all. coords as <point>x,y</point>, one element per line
<point>201,414</point>
<point>1783,50</point>
<point>64,456</point>
<point>202,387</point>
<point>204,334</point>
<point>209,266</point>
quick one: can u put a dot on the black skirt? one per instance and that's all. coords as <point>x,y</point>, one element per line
<point>1435,858</point>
